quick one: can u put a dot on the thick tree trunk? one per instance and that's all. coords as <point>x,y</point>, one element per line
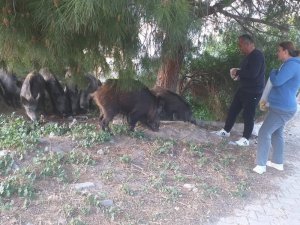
<point>168,73</point>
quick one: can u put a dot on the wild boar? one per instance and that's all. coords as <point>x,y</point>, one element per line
<point>9,88</point>
<point>136,102</point>
<point>33,94</point>
<point>175,107</point>
<point>58,96</point>
<point>92,85</point>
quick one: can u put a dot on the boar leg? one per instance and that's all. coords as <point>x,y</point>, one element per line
<point>106,118</point>
<point>133,118</point>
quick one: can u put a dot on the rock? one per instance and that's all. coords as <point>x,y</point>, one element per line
<point>189,186</point>
<point>107,202</point>
<point>86,185</point>
<point>100,152</point>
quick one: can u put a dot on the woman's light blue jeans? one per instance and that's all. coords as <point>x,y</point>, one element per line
<point>271,133</point>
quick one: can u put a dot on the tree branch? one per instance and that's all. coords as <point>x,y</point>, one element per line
<point>255,20</point>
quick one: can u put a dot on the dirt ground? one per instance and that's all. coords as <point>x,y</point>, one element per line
<point>182,174</point>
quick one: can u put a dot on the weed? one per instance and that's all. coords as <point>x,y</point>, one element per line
<point>6,205</point>
<point>241,189</point>
<point>127,190</point>
<point>107,174</point>
<point>168,165</point>
<point>69,210</point>
<point>164,146</point>
<point>52,165</point>
<point>138,134</point>
<point>119,129</point>
<point>88,135</point>
<point>158,182</point>
<point>17,184</point>
<point>112,212</point>
<point>172,192</point>
<point>227,160</point>
<point>85,210</point>
<point>17,133</point>
<point>6,164</point>
<point>180,177</point>
<point>93,200</point>
<point>209,190</point>
<point>203,161</point>
<point>78,157</point>
<point>55,129</point>
<point>76,221</point>
<point>196,149</point>
<point>126,159</point>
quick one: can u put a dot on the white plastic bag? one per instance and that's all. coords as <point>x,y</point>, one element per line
<point>263,103</point>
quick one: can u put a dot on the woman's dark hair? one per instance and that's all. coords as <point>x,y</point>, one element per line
<point>289,46</point>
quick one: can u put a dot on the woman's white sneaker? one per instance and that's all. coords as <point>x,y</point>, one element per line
<point>275,165</point>
<point>259,169</point>
<point>242,142</point>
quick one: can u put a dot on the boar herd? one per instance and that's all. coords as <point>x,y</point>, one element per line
<point>41,92</point>
<point>136,102</point>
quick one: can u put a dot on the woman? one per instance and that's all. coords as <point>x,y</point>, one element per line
<point>282,107</point>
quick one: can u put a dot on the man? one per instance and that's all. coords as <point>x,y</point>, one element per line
<point>251,75</point>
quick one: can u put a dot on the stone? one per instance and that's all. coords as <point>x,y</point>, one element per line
<point>107,202</point>
<point>86,185</point>
<point>189,186</point>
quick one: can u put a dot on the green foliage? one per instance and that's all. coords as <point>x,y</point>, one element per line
<point>125,159</point>
<point>241,189</point>
<point>17,133</point>
<point>88,135</point>
<point>52,165</point>
<point>200,109</point>
<point>6,164</point>
<point>164,146</point>
<point>78,157</point>
<point>55,129</point>
<point>197,149</point>
<point>17,185</point>
<point>127,190</point>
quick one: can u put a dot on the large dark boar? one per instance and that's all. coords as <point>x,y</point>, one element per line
<point>79,94</point>
<point>9,88</point>
<point>175,107</point>
<point>59,99</point>
<point>74,97</point>
<point>92,85</point>
<point>138,104</point>
<point>33,94</point>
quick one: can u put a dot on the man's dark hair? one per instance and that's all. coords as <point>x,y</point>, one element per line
<point>247,38</point>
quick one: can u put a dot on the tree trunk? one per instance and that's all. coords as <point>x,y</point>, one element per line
<point>168,73</point>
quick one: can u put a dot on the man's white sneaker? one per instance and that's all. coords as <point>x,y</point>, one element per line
<point>222,133</point>
<point>242,142</point>
<point>259,169</point>
<point>275,165</point>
